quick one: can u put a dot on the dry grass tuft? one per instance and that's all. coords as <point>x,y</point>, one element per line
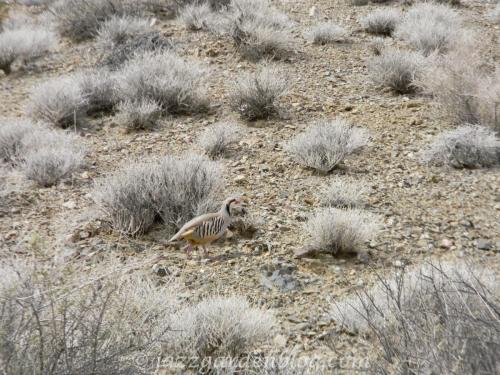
<point>165,78</point>
<point>24,44</point>
<point>343,193</point>
<point>256,94</point>
<point>465,147</point>
<point>433,318</point>
<point>396,69</point>
<point>324,145</point>
<point>216,139</point>
<point>337,231</point>
<point>327,32</point>
<point>381,22</point>
<point>218,328</point>
<point>138,115</point>
<point>59,102</point>
<point>170,191</point>
<point>430,27</point>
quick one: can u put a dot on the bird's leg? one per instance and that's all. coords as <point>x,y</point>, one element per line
<point>188,249</point>
<point>205,251</point>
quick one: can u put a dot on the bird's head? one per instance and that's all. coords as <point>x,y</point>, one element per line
<point>232,200</point>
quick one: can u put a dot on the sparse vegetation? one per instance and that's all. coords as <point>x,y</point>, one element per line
<point>439,317</point>
<point>138,115</point>
<point>336,231</point>
<point>430,27</point>
<point>136,45</point>
<point>327,32</point>
<point>52,321</point>
<point>256,94</point>
<point>171,191</point>
<point>81,20</point>
<point>463,89</point>
<point>218,328</point>
<point>25,44</point>
<point>396,69</point>
<point>98,90</point>
<point>12,132</point>
<point>342,193</point>
<point>196,16</point>
<point>117,30</point>
<point>465,147</point>
<point>382,22</point>
<point>167,79</point>
<point>42,155</point>
<point>59,102</point>
<point>259,30</point>
<point>216,139</point>
<point>324,145</point>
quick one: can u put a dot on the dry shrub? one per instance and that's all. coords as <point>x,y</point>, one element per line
<point>434,318</point>
<point>196,16</point>
<point>396,69</point>
<point>259,30</point>
<point>463,89</point>
<point>495,14</point>
<point>117,30</point>
<point>135,45</point>
<point>48,156</point>
<point>171,191</point>
<point>59,102</point>
<point>337,231</point>
<point>343,193</point>
<point>12,133</point>
<point>382,22</point>
<point>256,94</point>
<point>430,27</point>
<point>138,115</point>
<point>218,328</point>
<point>54,322</point>
<point>465,147</point>
<point>81,19</point>
<point>98,89</point>
<point>216,139</point>
<point>175,84</point>
<point>42,155</point>
<point>327,32</point>
<point>326,144</point>
<point>24,44</point>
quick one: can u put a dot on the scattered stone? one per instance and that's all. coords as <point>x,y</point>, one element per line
<point>279,275</point>
<point>483,244</point>
<point>446,243</point>
<point>69,204</point>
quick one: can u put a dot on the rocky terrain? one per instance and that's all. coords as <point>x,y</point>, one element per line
<point>427,211</point>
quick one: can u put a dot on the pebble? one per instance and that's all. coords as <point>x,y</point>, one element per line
<point>446,243</point>
<point>483,244</point>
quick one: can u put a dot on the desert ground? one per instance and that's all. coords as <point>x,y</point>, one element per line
<point>425,212</point>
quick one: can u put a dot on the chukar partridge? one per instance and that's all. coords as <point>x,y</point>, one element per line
<point>205,229</point>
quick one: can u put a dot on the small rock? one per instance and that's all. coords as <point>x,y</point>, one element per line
<point>69,204</point>
<point>483,244</point>
<point>446,243</point>
<point>313,11</point>
<point>280,341</point>
<point>240,179</point>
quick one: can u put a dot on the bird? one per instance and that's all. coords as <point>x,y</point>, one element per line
<point>205,229</point>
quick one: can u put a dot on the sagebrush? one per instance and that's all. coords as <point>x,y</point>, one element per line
<point>396,69</point>
<point>382,22</point>
<point>341,231</point>
<point>25,45</point>
<point>324,145</point>
<point>468,146</point>
<point>433,318</point>
<point>255,95</point>
<point>170,191</point>
<point>175,84</point>
<point>217,139</point>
